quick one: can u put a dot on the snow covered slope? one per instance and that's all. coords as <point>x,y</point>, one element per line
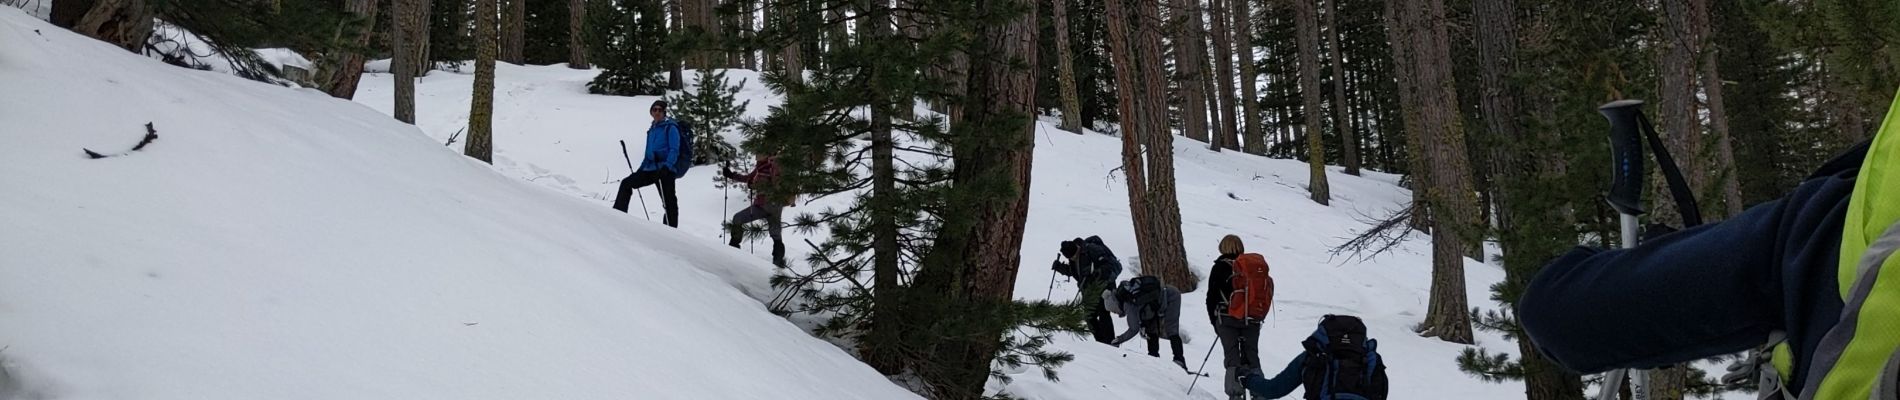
<point>552,133</point>
<point>280,244</point>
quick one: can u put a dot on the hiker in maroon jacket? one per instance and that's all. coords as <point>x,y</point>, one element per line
<point>764,175</point>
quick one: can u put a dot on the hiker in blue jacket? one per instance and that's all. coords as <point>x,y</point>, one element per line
<point>1338,362</point>
<point>1769,277</point>
<point>660,164</point>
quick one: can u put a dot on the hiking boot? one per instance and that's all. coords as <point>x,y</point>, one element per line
<point>1181,362</point>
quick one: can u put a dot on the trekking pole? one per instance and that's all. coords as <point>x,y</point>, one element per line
<point>724,200</point>
<point>1628,130</point>
<point>1209,356</point>
<point>636,191</point>
<point>1052,284</point>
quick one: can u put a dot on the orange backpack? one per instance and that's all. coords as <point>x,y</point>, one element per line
<point>1253,288</point>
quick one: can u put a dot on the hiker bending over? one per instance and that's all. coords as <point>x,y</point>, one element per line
<point>762,181</point>
<point>1339,362</point>
<point>1094,269</point>
<point>661,163</point>
<point>1153,311</point>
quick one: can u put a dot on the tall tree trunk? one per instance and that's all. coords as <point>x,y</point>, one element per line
<point>123,23</point>
<point>1147,147</point>
<point>1188,59</point>
<point>1226,135</point>
<point>338,72</point>
<point>790,14</point>
<point>1249,78</point>
<point>407,22</point>
<point>1065,69</point>
<point>482,106</point>
<point>1342,125</point>
<point>749,29</point>
<point>576,41</point>
<point>1516,168</point>
<point>675,73</point>
<point>514,31</point>
<point>983,242</point>
<point>1209,90</point>
<point>1725,167</point>
<point>1679,120</point>
<point>1433,109</point>
<point>423,66</point>
<point>1306,23</point>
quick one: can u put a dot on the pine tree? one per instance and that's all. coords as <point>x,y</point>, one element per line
<point>514,31</point>
<point>712,108</point>
<point>1254,135</point>
<point>1431,103</point>
<point>576,24</point>
<point>1306,20</point>
<point>450,42</point>
<point>482,108</point>
<point>1188,73</point>
<point>407,42</point>
<point>338,71</point>
<point>1065,69</point>
<point>628,41</point>
<point>1226,135</point>
<point>1342,124</point>
<point>1147,148</point>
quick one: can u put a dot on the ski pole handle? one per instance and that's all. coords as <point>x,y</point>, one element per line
<point>1628,161</point>
<point>623,154</point>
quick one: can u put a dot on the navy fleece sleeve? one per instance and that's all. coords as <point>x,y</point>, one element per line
<point>1700,292</point>
<point>1281,384</point>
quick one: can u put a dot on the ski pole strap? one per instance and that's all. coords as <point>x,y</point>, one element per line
<point>1678,187</point>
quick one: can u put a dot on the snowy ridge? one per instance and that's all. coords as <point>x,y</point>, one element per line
<point>276,243</point>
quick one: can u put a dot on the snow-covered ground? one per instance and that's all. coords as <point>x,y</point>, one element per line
<point>549,131</point>
<point>275,243</point>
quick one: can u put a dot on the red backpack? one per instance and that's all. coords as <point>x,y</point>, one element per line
<point>1253,288</point>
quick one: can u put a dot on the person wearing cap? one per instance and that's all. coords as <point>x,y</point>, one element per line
<point>660,165</point>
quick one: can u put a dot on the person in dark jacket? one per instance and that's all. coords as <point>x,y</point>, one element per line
<point>761,181</point>
<point>660,164</point>
<point>1155,318</point>
<point>1239,339</point>
<point>1095,269</point>
<point>1771,271</point>
<point>1310,367</point>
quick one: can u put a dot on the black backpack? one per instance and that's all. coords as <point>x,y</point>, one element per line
<point>1342,363</point>
<point>1107,267</point>
<point>1143,291</point>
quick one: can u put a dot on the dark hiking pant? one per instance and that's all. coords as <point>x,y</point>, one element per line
<point>1240,347</point>
<point>1152,330</point>
<point>1101,324</point>
<point>640,179</point>
<point>772,214</point>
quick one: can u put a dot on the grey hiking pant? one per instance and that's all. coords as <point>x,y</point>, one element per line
<point>771,213</point>
<point>1240,347</point>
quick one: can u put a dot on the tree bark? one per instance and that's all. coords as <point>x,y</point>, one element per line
<point>1188,59</point>
<point>675,74</point>
<point>1065,69</point>
<point>1147,147</point>
<point>1679,120</point>
<point>408,27</point>
<point>123,23</point>
<point>339,72</point>
<point>1212,112</point>
<point>985,243</point>
<point>1342,124</point>
<point>1226,135</point>
<point>514,31</point>
<point>482,106</point>
<point>576,39</point>
<point>1306,23</point>
<point>790,13</point>
<point>1513,148</point>
<point>1433,109</point>
<point>1725,167</point>
<point>1249,78</point>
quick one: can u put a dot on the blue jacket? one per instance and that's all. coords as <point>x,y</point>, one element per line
<point>663,142</point>
<point>1704,291</point>
<point>1282,384</point>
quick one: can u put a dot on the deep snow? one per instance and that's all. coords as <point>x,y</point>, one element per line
<point>276,243</point>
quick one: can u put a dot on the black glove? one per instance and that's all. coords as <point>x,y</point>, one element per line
<point>1063,268</point>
